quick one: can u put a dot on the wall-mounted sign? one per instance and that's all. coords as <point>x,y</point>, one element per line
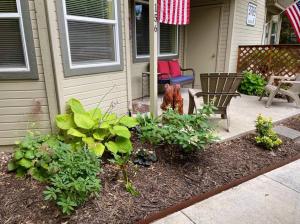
<point>251,16</point>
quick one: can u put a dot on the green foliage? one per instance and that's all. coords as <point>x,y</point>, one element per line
<point>33,155</point>
<point>99,131</point>
<point>190,132</point>
<point>73,178</point>
<point>252,84</point>
<point>266,136</point>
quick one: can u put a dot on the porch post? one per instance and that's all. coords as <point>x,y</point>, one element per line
<point>153,55</point>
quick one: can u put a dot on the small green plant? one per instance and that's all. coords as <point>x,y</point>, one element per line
<point>99,131</point>
<point>121,159</point>
<point>33,155</point>
<point>252,84</point>
<point>190,132</point>
<point>73,177</point>
<point>266,136</point>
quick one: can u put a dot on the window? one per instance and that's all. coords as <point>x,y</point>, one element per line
<point>91,42</point>
<point>14,41</point>
<point>168,34</point>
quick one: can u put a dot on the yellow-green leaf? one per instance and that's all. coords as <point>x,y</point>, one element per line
<point>96,114</point>
<point>121,131</point>
<point>100,134</point>
<point>75,133</point>
<point>64,121</point>
<point>112,146</point>
<point>76,106</point>
<point>84,120</point>
<point>129,122</point>
<point>98,149</point>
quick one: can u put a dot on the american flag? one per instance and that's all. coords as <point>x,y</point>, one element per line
<point>176,12</point>
<point>293,12</point>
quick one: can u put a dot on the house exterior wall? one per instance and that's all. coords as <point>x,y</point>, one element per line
<point>243,34</point>
<point>24,103</point>
<point>89,88</point>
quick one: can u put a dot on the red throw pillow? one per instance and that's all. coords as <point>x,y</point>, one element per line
<point>174,68</point>
<point>163,68</point>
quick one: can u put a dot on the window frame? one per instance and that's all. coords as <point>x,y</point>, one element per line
<point>146,58</point>
<point>30,70</point>
<point>89,68</point>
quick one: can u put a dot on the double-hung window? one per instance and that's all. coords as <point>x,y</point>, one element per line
<point>91,37</point>
<point>17,58</point>
<point>167,34</point>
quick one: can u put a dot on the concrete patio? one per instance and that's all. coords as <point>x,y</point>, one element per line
<point>272,198</point>
<point>242,112</point>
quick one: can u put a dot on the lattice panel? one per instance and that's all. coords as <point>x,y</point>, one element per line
<point>267,60</point>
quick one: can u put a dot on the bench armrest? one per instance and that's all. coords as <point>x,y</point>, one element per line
<point>188,69</point>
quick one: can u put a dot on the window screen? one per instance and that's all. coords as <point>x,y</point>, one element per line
<point>92,33</point>
<point>12,55</point>
<point>167,34</point>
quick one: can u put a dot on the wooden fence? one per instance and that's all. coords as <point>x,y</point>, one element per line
<point>281,60</point>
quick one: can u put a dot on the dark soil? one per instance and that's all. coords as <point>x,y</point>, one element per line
<point>174,178</point>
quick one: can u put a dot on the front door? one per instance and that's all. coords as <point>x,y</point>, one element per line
<point>202,38</point>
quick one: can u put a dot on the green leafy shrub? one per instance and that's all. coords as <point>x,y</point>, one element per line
<point>190,132</point>
<point>73,177</point>
<point>99,131</point>
<point>33,155</point>
<point>252,84</point>
<point>266,136</point>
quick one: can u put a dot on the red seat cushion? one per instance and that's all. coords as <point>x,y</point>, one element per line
<point>163,68</point>
<point>174,68</point>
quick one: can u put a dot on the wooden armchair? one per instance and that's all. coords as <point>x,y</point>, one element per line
<point>292,93</point>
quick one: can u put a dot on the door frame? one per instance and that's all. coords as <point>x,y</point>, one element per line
<point>220,6</point>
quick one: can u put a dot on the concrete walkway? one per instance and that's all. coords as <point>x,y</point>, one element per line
<point>272,198</point>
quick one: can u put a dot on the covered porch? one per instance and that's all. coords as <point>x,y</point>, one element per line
<point>243,112</point>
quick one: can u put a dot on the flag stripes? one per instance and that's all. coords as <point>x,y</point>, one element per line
<point>176,12</point>
<point>293,13</point>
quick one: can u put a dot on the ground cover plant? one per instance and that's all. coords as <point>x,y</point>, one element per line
<point>252,84</point>
<point>189,132</point>
<point>74,177</point>
<point>266,137</point>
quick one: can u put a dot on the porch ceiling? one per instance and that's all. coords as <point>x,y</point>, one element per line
<point>195,3</point>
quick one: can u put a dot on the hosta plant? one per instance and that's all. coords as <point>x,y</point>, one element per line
<point>266,136</point>
<point>33,155</point>
<point>190,132</point>
<point>99,131</point>
<point>73,177</point>
<point>252,84</point>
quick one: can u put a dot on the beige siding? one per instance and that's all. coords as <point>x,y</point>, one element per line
<point>90,88</point>
<point>24,102</point>
<point>243,34</point>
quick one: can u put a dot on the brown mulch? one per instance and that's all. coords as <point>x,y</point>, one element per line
<point>293,123</point>
<point>174,178</point>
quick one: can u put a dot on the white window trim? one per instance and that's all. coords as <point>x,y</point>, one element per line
<point>18,15</point>
<point>158,41</point>
<point>98,21</point>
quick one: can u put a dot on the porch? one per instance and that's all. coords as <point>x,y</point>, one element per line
<point>242,112</point>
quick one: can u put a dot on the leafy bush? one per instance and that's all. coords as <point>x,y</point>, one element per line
<point>266,136</point>
<point>73,177</point>
<point>252,84</point>
<point>97,130</point>
<point>33,155</point>
<point>190,132</point>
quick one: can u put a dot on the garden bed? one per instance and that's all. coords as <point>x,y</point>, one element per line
<point>173,179</point>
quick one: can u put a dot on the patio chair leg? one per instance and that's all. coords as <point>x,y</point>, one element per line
<point>228,124</point>
<point>191,104</point>
<point>261,96</point>
<point>270,99</point>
